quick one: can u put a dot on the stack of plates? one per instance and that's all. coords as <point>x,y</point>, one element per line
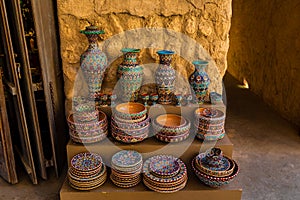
<point>171,128</point>
<point>87,171</point>
<point>126,168</point>
<point>164,173</point>
<point>210,124</point>
<point>214,169</point>
<point>85,131</point>
<point>130,122</point>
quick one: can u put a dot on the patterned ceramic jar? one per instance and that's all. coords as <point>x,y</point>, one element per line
<point>199,80</point>
<point>165,77</point>
<point>93,62</point>
<point>130,73</point>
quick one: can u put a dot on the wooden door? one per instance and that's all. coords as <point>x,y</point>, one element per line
<point>7,159</point>
<point>12,70</point>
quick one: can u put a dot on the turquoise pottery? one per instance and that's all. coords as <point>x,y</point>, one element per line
<point>199,80</point>
<point>130,74</point>
<point>93,62</point>
<point>165,76</point>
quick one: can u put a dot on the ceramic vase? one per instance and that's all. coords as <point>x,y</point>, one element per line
<point>165,76</point>
<point>130,74</point>
<point>93,62</point>
<point>199,80</point>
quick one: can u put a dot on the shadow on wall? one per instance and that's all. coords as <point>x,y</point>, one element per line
<point>265,51</point>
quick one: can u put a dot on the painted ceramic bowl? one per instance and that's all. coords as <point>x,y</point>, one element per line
<point>89,133</point>
<point>209,127</point>
<point>164,165</point>
<point>171,139</point>
<point>171,121</point>
<point>211,132</point>
<point>87,126</point>
<point>209,116</point>
<point>133,125</point>
<point>213,168</point>
<point>133,132</point>
<point>214,181</point>
<point>129,138</point>
<point>210,137</point>
<point>86,116</point>
<point>172,131</point>
<point>89,140</point>
<point>86,161</point>
<point>130,111</point>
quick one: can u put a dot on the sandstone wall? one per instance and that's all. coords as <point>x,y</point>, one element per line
<point>265,50</point>
<point>194,29</point>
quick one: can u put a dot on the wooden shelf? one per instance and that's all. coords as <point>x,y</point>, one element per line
<point>186,150</point>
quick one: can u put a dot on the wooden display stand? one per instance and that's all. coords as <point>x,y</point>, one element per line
<point>186,150</point>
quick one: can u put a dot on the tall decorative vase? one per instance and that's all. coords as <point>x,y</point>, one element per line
<point>130,74</point>
<point>165,76</point>
<point>199,80</point>
<point>93,62</point>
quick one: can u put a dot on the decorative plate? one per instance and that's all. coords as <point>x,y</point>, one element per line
<point>147,172</point>
<point>164,165</point>
<point>86,161</point>
<point>126,158</point>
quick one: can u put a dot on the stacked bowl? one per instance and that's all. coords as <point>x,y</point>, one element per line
<point>87,171</point>
<point>87,125</point>
<point>214,169</point>
<point>126,168</point>
<point>209,124</point>
<point>130,123</point>
<point>164,174</point>
<point>171,128</point>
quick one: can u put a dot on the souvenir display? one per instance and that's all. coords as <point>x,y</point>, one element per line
<point>214,169</point>
<point>87,125</point>
<point>87,171</point>
<point>164,174</point>
<point>171,128</point>
<point>126,168</point>
<point>130,74</point>
<point>130,123</point>
<point>165,76</point>
<point>209,123</point>
<point>93,62</point>
<point>199,80</point>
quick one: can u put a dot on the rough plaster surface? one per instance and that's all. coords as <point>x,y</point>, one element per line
<point>265,50</point>
<point>194,29</point>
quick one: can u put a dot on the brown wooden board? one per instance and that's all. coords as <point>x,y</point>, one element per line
<point>17,117</point>
<point>7,160</point>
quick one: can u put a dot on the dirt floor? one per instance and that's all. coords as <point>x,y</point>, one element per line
<point>266,146</point>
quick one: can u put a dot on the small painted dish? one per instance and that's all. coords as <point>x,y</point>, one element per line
<point>86,161</point>
<point>134,125</point>
<point>164,165</point>
<point>126,158</point>
<point>89,140</point>
<point>130,111</point>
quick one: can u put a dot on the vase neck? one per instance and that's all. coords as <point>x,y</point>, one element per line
<point>130,58</point>
<point>165,59</point>
<point>200,68</point>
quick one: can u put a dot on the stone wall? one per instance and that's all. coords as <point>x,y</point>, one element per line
<point>265,51</point>
<point>194,29</point>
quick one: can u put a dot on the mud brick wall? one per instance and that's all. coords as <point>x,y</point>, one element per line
<point>195,29</point>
